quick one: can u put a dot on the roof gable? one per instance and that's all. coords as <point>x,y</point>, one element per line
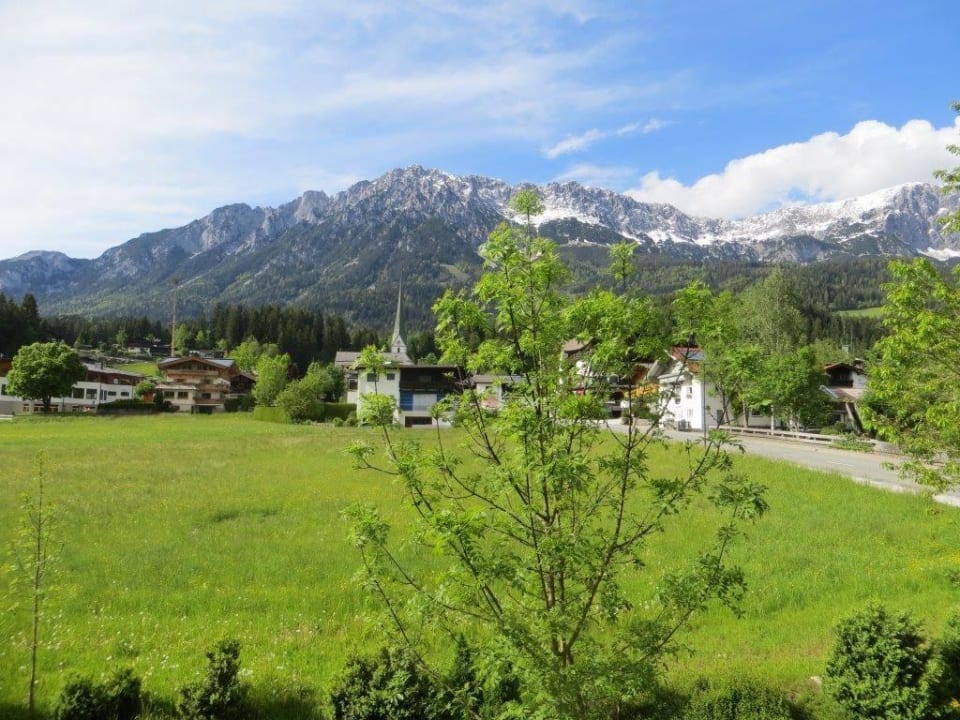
<point>212,363</point>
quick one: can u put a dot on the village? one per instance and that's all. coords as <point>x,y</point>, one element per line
<point>676,389</point>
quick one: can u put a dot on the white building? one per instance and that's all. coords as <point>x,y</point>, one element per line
<point>686,402</point>
<point>414,388</point>
<point>99,386</point>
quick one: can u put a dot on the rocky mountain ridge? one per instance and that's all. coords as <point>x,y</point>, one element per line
<point>320,249</point>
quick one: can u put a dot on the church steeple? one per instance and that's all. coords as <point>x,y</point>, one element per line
<point>397,345</point>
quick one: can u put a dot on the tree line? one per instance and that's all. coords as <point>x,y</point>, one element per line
<point>303,334</point>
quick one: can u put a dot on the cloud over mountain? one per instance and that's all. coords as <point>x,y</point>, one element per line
<point>826,167</point>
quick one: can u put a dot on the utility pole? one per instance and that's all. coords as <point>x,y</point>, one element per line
<point>175,284</point>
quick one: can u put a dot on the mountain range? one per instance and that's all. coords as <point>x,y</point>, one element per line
<point>345,252</point>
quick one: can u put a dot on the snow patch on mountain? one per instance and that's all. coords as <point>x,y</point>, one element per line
<point>941,254</point>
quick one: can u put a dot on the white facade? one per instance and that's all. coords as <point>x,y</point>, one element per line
<point>101,386</point>
<point>686,403</point>
<point>386,383</point>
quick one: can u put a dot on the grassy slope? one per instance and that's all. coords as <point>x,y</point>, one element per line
<point>874,312</point>
<point>144,367</point>
<point>178,531</point>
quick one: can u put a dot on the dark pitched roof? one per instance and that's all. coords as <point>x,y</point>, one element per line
<point>225,363</point>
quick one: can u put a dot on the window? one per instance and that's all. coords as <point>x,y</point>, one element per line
<point>689,391</point>
<point>391,376</point>
<point>371,377</point>
<point>181,394</point>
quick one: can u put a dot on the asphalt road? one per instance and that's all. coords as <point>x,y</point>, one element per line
<point>861,467</point>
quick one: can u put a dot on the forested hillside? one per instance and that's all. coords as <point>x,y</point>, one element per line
<point>316,329</point>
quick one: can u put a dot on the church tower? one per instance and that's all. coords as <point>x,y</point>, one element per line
<point>397,345</point>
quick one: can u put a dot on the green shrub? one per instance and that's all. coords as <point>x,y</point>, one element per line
<point>127,406</point>
<point>302,406</point>
<point>301,402</point>
<point>944,671</point>
<point>220,694</point>
<point>879,667</point>
<point>144,387</point>
<point>123,691</point>
<point>388,686</point>
<point>740,700</point>
<point>117,699</point>
<point>342,411</point>
<point>393,685</point>
<point>464,693</point>
<point>162,405</point>
<point>81,699</point>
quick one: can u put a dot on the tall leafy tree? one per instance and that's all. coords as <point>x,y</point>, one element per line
<point>914,383</point>
<point>914,395</point>
<point>303,399</point>
<point>542,519</point>
<point>272,376</point>
<point>622,264</point>
<point>769,314</point>
<point>710,321</point>
<point>951,183</point>
<point>247,353</point>
<point>43,371</point>
<point>791,383</point>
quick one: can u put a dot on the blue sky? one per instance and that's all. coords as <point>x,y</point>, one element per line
<point>121,117</point>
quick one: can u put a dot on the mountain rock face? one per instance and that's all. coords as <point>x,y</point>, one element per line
<point>346,252</point>
<point>902,220</point>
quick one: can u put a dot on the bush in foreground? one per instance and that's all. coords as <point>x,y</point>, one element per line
<point>220,695</point>
<point>739,701</point>
<point>880,668</point>
<point>394,685</point>
<point>117,699</point>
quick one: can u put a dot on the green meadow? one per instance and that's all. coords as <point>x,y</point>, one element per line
<point>174,532</point>
<point>871,312</point>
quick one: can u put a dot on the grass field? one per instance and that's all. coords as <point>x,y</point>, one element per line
<point>873,312</point>
<point>175,532</point>
<point>144,367</point>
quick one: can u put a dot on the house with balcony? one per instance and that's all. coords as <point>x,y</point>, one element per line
<point>686,401</point>
<point>197,384</point>
<point>846,386</point>
<point>100,385</point>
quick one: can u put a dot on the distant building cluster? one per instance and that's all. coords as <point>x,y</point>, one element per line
<point>100,385</point>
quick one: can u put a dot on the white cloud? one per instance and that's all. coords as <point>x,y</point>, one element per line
<point>652,125</point>
<point>579,143</point>
<point>574,143</point>
<point>174,108</point>
<point>829,166</point>
<point>604,176</point>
